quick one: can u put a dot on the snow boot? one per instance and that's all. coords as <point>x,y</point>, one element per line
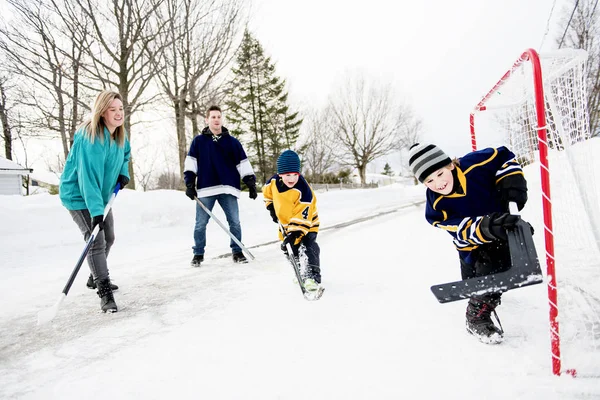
<point>107,300</point>
<point>197,260</point>
<point>239,258</point>
<point>479,321</point>
<point>92,285</point>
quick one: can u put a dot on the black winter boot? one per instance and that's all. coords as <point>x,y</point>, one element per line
<point>107,300</point>
<point>479,321</point>
<point>239,258</point>
<point>197,260</point>
<point>92,285</point>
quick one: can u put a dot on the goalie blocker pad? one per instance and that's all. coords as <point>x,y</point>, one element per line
<point>524,271</point>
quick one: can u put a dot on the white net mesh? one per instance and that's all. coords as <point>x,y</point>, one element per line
<point>510,119</point>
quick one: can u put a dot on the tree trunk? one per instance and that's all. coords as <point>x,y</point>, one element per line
<point>179,107</point>
<point>6,133</point>
<point>75,111</point>
<point>362,172</point>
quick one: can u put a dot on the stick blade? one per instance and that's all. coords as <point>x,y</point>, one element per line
<point>48,314</point>
<point>525,271</point>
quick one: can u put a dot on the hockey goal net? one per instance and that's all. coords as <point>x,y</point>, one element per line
<point>538,110</point>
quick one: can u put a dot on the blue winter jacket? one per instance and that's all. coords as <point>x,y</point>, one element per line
<point>460,213</point>
<point>91,172</point>
<point>218,161</point>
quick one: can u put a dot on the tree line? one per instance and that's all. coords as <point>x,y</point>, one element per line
<point>183,55</point>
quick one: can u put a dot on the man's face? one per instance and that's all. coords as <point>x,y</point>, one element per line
<point>214,121</point>
<point>290,179</point>
<point>441,181</point>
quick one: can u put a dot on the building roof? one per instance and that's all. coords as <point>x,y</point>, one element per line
<point>8,166</point>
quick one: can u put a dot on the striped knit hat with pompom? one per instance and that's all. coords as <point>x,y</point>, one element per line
<point>425,159</point>
<point>288,162</point>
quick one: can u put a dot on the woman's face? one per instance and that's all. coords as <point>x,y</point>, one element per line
<point>441,181</point>
<point>114,115</point>
<point>290,179</point>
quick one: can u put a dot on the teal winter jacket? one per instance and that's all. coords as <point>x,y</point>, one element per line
<point>91,172</point>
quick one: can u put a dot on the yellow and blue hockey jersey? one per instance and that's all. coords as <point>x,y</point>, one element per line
<point>296,207</point>
<point>474,195</point>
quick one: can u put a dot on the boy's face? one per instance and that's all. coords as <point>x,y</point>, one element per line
<point>441,181</point>
<point>290,179</point>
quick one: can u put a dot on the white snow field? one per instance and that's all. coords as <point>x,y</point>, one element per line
<point>228,331</point>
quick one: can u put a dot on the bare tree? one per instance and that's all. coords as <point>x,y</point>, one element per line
<point>4,111</point>
<point>582,31</point>
<point>199,43</point>
<point>39,47</point>
<point>318,153</point>
<point>121,49</point>
<point>367,123</point>
<point>168,180</point>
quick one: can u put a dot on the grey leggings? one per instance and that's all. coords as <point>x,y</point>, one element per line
<point>100,248</point>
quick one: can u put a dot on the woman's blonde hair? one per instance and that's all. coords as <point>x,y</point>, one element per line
<point>94,125</point>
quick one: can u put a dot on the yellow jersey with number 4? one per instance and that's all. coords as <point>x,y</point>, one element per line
<point>296,207</point>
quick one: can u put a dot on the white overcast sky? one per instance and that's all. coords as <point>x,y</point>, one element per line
<point>441,56</point>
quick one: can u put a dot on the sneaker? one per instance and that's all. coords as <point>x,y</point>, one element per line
<point>239,258</point>
<point>92,285</point>
<point>197,260</point>
<point>479,322</point>
<point>311,285</point>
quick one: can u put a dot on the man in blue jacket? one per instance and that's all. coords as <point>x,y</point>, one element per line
<point>212,171</point>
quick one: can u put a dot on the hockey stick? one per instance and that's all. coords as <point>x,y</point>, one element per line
<point>525,269</point>
<point>48,314</point>
<point>292,259</point>
<point>225,229</point>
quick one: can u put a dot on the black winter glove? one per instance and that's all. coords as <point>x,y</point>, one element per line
<point>123,181</point>
<point>271,209</point>
<point>291,239</point>
<point>494,226</point>
<point>98,220</point>
<point>190,190</point>
<point>250,181</point>
<point>512,188</point>
<point>252,190</point>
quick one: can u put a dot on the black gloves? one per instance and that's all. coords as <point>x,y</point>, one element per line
<point>494,226</point>
<point>271,209</point>
<point>98,220</point>
<point>190,190</point>
<point>251,183</point>
<point>512,188</point>
<point>123,181</point>
<point>291,239</point>
<point>252,190</point>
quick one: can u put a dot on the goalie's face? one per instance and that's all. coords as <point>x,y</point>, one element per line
<point>290,179</point>
<point>441,181</point>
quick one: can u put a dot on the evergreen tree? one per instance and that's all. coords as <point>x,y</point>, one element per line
<point>387,170</point>
<point>258,105</point>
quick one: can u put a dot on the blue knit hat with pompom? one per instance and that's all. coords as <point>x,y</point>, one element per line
<point>288,162</point>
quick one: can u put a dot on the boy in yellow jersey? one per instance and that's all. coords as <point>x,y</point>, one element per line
<point>291,201</point>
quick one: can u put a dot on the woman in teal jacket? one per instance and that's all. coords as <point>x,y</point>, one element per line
<point>98,160</point>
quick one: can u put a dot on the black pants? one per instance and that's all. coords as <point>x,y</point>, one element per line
<point>313,253</point>
<point>486,259</point>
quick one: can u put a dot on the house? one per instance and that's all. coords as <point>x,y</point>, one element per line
<point>11,177</point>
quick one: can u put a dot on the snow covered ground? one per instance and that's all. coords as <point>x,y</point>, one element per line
<point>227,331</point>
